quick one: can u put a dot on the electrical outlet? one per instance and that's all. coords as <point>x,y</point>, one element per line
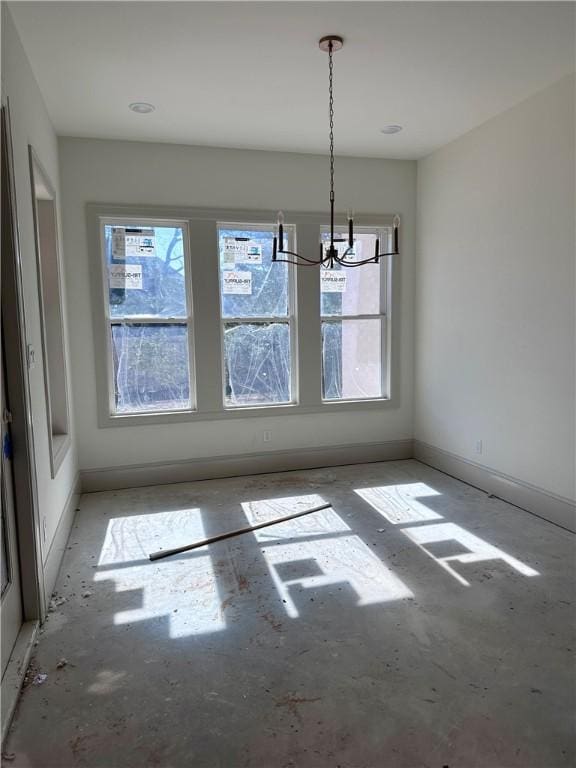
<point>478,448</point>
<point>267,436</point>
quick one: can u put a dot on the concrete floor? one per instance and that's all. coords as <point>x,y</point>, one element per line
<point>420,624</point>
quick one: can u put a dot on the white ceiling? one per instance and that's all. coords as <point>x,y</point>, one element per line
<point>250,74</point>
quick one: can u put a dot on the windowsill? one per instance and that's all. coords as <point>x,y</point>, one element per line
<point>246,412</point>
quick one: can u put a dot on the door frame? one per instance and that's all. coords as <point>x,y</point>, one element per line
<point>18,390</point>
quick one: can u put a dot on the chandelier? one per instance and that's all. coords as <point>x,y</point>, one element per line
<point>331,257</point>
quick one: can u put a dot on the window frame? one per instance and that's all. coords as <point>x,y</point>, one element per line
<point>205,290</point>
<point>383,316</point>
<point>290,319</point>
<point>186,321</point>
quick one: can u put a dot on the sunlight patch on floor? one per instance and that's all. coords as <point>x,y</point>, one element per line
<point>399,503</point>
<point>429,537</point>
<point>183,591</point>
<point>334,559</point>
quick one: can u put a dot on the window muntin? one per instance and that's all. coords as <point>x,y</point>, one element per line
<point>148,302</point>
<point>256,300</point>
<point>353,310</point>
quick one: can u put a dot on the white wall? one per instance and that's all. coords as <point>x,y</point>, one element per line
<point>31,125</point>
<point>162,174</point>
<point>495,293</point>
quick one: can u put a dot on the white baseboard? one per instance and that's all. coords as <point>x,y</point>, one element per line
<point>58,545</point>
<point>113,478</point>
<point>15,671</point>
<point>549,506</point>
<point>544,504</point>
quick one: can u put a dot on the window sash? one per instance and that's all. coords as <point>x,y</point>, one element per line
<point>384,368</point>
<point>289,319</point>
<point>146,372</point>
<point>384,234</point>
<point>186,320</point>
<point>291,346</point>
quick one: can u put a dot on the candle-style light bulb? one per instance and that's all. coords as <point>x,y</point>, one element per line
<point>280,222</point>
<point>396,226</point>
<point>350,228</point>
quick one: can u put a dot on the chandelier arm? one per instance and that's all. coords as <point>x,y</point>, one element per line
<point>300,261</point>
<point>298,256</point>
<point>372,260</point>
<point>349,264</point>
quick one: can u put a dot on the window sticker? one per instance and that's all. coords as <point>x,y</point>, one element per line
<point>332,281</point>
<point>237,282</point>
<point>140,242</point>
<point>128,276</point>
<point>118,243</point>
<point>252,254</point>
<point>132,241</point>
<point>232,252</point>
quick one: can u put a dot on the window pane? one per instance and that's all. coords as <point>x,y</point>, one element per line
<point>351,359</point>
<point>257,363</point>
<point>150,368</point>
<point>357,292</point>
<point>145,270</point>
<point>250,284</point>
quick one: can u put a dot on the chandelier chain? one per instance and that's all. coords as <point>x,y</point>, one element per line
<point>331,113</point>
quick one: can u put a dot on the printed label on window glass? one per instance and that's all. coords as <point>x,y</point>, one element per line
<point>132,241</point>
<point>128,276</point>
<point>332,281</point>
<point>118,243</point>
<point>237,282</point>
<point>140,242</point>
<point>231,252</point>
<point>237,251</point>
<point>252,254</point>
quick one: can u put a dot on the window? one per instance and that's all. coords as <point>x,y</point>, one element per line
<point>195,322</point>
<point>353,308</point>
<point>256,303</point>
<point>148,303</point>
<point>50,300</point>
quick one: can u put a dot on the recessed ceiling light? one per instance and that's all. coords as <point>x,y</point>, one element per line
<point>141,107</point>
<point>391,129</point>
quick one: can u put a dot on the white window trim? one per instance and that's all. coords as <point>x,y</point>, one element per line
<point>202,224</point>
